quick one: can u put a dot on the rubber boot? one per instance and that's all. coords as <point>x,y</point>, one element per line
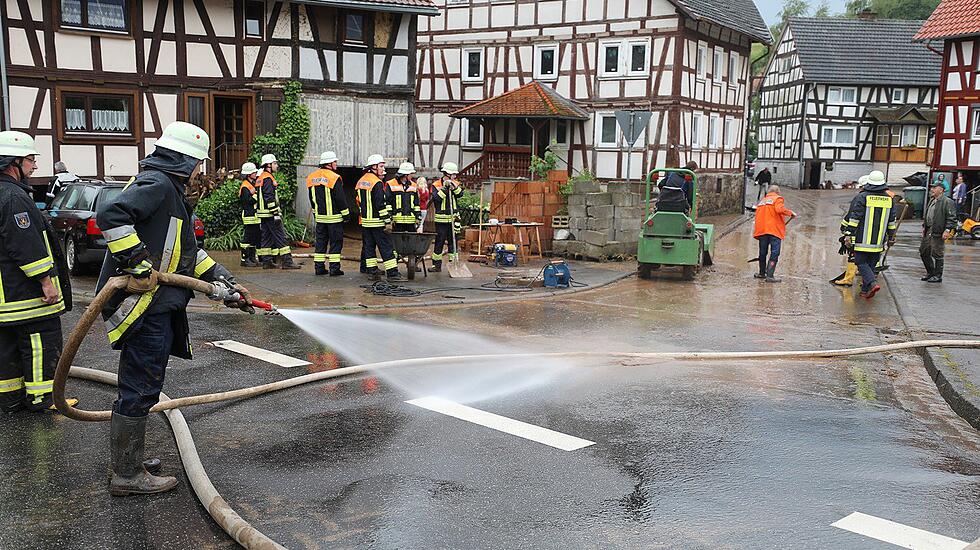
<point>436,266</point>
<point>11,402</point>
<point>268,262</point>
<point>129,476</point>
<point>847,278</point>
<point>374,274</point>
<point>335,270</point>
<point>250,259</point>
<point>937,274</point>
<point>287,262</point>
<point>394,275</point>
<point>319,268</point>
<point>771,273</point>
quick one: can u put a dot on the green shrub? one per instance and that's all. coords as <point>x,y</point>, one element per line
<point>220,211</point>
<point>541,166</point>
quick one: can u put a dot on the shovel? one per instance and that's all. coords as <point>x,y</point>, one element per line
<point>882,266</point>
<point>457,269</point>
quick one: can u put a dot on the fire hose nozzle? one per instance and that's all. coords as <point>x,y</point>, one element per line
<point>271,309</point>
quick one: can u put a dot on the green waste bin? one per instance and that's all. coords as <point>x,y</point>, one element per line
<point>916,197</point>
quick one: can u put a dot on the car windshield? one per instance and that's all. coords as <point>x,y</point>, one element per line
<point>109,193</point>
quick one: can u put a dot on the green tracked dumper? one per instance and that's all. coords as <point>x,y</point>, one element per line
<point>673,238</point>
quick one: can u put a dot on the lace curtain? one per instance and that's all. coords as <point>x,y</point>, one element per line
<point>105,14</point>
<point>71,11</point>
<point>75,119</point>
<point>110,121</point>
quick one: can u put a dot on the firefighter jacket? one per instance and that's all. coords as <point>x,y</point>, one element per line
<point>371,202</point>
<point>446,203</point>
<point>248,198</point>
<point>268,196</point>
<point>870,219</point>
<point>327,198</point>
<point>404,202</point>
<point>26,257</point>
<point>151,220</point>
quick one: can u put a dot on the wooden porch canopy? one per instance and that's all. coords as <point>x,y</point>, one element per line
<point>530,101</point>
<point>903,115</point>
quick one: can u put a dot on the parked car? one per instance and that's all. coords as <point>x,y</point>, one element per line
<point>72,216</point>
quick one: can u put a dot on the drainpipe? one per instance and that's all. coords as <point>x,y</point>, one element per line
<point>4,89</point>
<point>806,101</point>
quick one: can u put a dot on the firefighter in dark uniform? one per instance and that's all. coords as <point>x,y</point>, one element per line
<point>248,198</point>
<point>275,243</point>
<point>403,198</point>
<point>446,192</point>
<point>870,223</point>
<point>148,228</point>
<point>34,285</point>
<point>329,204</point>
<point>375,220</point>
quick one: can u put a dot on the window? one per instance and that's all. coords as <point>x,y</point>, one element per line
<point>837,136</point>
<point>896,136</point>
<point>975,125</point>
<point>779,137</point>
<point>923,139</point>
<point>103,15</point>
<point>523,133</point>
<point>730,133</point>
<point>546,62</point>
<point>473,65</point>
<point>197,110</point>
<point>714,131</point>
<point>609,58</point>
<point>787,64</point>
<point>697,139</point>
<point>734,68</point>
<point>561,132</point>
<point>841,96</point>
<point>718,66</point>
<point>701,64</point>
<point>254,18</point>
<point>472,133</point>
<point>98,114</point>
<point>882,136</point>
<point>354,28</point>
<point>898,95</point>
<point>909,135</point>
<point>606,131</point>
<point>638,58</point>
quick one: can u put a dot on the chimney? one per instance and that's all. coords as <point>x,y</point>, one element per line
<point>867,14</point>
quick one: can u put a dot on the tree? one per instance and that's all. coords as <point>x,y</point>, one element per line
<point>823,10</point>
<point>892,9</point>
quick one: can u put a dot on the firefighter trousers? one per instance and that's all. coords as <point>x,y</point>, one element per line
<point>444,234</point>
<point>143,364</point>
<point>375,238</point>
<point>329,243</point>
<point>251,238</point>
<point>29,355</point>
<point>274,241</point>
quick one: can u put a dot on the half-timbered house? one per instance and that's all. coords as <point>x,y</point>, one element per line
<point>97,80</point>
<point>578,62</point>
<point>957,149</point>
<point>842,97</point>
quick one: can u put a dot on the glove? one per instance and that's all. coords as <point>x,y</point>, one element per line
<point>388,228</point>
<point>347,218</point>
<point>244,302</point>
<point>457,226</point>
<point>140,270</point>
<point>223,291</point>
<point>848,241</point>
<point>891,241</point>
<point>142,284</point>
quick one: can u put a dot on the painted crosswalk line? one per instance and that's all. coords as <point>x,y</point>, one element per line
<point>261,354</point>
<point>896,533</point>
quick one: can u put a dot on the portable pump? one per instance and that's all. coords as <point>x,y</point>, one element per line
<point>557,274</point>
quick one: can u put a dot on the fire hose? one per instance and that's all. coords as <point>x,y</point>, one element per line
<point>223,514</point>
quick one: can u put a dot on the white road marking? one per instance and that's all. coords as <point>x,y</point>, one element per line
<point>896,533</point>
<point>259,353</point>
<point>502,423</point>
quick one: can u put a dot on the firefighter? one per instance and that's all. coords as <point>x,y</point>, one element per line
<point>850,268</point>
<point>275,244</point>
<point>329,204</point>
<point>34,286</point>
<point>446,192</point>
<point>870,223</point>
<point>248,197</point>
<point>403,198</point>
<point>148,228</point>
<point>375,220</point>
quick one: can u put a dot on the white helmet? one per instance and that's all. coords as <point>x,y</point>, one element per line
<point>249,168</point>
<point>876,177</point>
<point>406,169</point>
<point>450,168</point>
<point>267,159</point>
<point>16,144</point>
<point>328,157</point>
<point>185,138</point>
<point>862,181</point>
<point>374,160</point>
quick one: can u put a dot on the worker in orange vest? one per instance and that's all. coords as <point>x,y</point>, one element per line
<point>771,216</point>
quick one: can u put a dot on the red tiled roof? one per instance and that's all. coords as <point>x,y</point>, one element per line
<point>532,100</point>
<point>952,18</point>
<point>424,7</point>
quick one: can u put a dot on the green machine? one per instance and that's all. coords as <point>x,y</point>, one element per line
<point>673,238</point>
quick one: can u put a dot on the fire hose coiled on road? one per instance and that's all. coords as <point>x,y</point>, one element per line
<point>239,529</point>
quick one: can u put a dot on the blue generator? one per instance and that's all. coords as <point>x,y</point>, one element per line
<point>505,255</point>
<point>557,274</point>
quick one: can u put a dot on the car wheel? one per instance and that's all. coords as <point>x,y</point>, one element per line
<point>71,257</point>
<point>975,232</point>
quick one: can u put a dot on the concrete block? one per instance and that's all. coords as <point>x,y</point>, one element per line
<point>593,251</point>
<point>603,211</point>
<point>586,187</point>
<point>598,238</point>
<point>574,247</point>
<point>598,224</point>
<point>634,211</point>
<point>576,200</point>
<point>578,223</point>
<point>598,199</point>
<point>622,224</point>
<point>627,235</point>
<point>618,248</point>
<point>624,199</point>
<point>619,187</point>
<point>576,212</point>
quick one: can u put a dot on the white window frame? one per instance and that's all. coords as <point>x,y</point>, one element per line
<point>701,61</point>
<point>464,65</point>
<point>538,49</point>
<point>975,123</point>
<point>465,135</point>
<point>599,144</point>
<point>714,131</point>
<point>645,71</point>
<point>554,133</point>
<point>898,95</point>
<point>698,121</point>
<point>836,142</point>
<point>717,66</point>
<point>601,60</point>
<point>734,68</point>
<point>729,130</point>
<point>907,139</point>
<point>456,2</point>
<point>840,95</point>
<point>778,139</point>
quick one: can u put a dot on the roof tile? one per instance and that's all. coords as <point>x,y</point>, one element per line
<point>738,15</point>
<point>532,100</point>
<point>952,18</point>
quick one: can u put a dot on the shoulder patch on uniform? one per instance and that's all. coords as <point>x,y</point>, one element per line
<point>23,220</point>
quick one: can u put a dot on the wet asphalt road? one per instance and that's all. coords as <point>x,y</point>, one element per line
<point>686,455</point>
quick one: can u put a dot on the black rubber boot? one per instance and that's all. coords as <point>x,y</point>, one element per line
<point>436,266</point>
<point>374,274</point>
<point>937,274</point>
<point>394,275</point>
<point>11,402</point>
<point>319,268</point>
<point>287,262</point>
<point>771,273</point>
<point>249,258</point>
<point>129,476</point>
<point>335,270</point>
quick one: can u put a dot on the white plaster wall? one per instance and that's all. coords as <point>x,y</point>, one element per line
<point>45,162</point>
<point>278,62</point>
<point>80,158</point>
<point>355,67</point>
<point>121,160</point>
<point>118,55</point>
<point>21,104</point>
<point>74,51</point>
<point>201,60</point>
<point>166,108</point>
<point>167,59</point>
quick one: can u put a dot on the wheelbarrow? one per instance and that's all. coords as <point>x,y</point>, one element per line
<point>412,247</point>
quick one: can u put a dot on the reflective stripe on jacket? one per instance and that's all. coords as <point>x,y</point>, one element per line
<point>404,202</point>
<point>326,190</point>
<point>268,196</point>
<point>446,204</point>
<point>371,202</point>
<point>249,200</point>
<point>870,219</point>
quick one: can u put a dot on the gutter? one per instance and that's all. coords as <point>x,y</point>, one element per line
<point>375,6</point>
<point>4,88</point>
